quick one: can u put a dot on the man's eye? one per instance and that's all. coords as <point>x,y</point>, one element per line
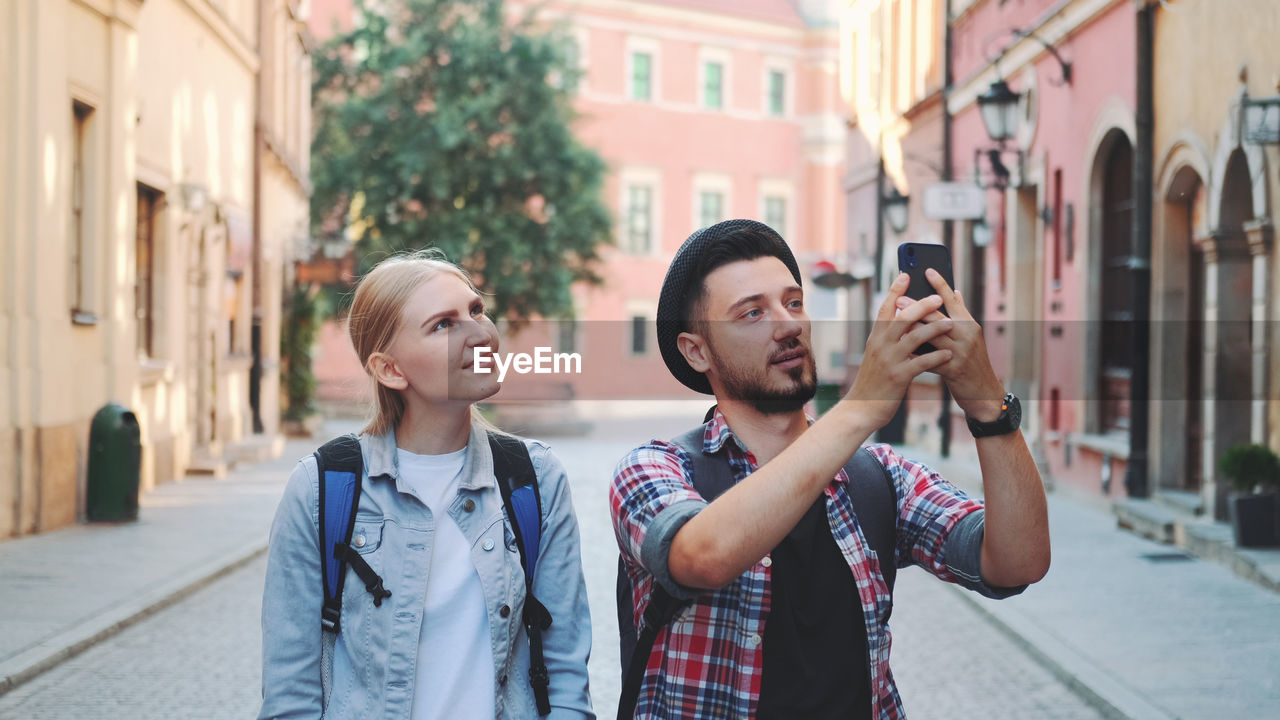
<point>753,313</point>
<point>796,304</point>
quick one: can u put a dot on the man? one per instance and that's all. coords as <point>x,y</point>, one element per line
<point>787,604</point>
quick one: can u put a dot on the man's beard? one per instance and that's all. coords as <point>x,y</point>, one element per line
<point>754,389</point>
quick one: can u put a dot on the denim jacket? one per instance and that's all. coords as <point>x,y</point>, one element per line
<point>377,648</point>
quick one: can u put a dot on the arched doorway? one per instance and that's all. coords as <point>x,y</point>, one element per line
<point>1234,300</point>
<point>1115,356</point>
<point>1178,334</point>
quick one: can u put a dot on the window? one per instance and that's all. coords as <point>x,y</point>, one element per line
<point>1057,227</point>
<point>639,231</point>
<point>149,203</point>
<point>82,177</point>
<point>713,85</point>
<point>777,93</point>
<point>567,335</point>
<point>639,335</point>
<point>775,213</point>
<point>641,76</point>
<point>710,207</point>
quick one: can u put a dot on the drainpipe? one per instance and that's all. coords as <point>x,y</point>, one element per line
<point>1135,477</point>
<point>948,226</point>
<point>255,330</point>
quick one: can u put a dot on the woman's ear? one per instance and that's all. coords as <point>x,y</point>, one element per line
<point>695,350</point>
<point>386,372</point>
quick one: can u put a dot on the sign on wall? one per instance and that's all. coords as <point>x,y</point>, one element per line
<point>954,201</point>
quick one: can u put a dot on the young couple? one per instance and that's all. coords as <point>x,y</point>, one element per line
<point>778,602</point>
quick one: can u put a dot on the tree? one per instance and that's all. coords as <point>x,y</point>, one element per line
<point>446,123</point>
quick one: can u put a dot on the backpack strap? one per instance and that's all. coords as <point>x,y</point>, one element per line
<point>340,467</point>
<point>871,489</point>
<point>873,492</point>
<point>712,475</point>
<point>513,469</point>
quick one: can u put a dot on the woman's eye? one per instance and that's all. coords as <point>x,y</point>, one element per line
<point>477,310</point>
<point>444,324</point>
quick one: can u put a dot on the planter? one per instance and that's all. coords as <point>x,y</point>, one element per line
<point>1255,519</point>
<point>308,426</point>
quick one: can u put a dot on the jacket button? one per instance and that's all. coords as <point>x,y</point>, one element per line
<point>469,505</point>
<point>488,544</point>
<point>359,540</point>
<point>505,611</point>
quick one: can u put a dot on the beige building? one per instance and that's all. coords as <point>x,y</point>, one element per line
<point>154,182</point>
<point>1214,265</point>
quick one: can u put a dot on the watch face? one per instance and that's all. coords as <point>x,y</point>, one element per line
<point>1014,412</point>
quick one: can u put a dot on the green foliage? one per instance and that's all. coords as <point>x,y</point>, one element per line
<point>446,123</point>
<point>297,339</point>
<point>1250,466</point>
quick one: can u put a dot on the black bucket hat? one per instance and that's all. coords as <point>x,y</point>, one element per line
<point>680,280</point>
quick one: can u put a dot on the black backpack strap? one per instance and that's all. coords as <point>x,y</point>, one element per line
<point>875,500</point>
<point>712,476</point>
<point>513,469</point>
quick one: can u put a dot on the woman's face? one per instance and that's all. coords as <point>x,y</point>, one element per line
<point>434,350</point>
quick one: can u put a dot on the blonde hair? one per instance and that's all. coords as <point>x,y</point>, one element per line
<point>376,312</point>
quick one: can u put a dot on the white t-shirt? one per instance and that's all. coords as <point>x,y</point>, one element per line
<point>455,657</point>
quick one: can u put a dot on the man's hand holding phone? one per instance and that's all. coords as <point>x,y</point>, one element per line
<point>968,372</point>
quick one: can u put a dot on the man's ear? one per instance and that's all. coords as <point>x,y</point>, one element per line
<point>385,370</point>
<point>695,350</point>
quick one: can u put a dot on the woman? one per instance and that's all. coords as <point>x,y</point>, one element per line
<point>448,642</point>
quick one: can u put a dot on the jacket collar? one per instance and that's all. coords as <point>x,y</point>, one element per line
<point>380,459</point>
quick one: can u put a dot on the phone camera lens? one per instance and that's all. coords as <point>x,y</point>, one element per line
<point>911,260</point>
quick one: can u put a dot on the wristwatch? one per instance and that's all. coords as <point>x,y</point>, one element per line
<point>1010,419</point>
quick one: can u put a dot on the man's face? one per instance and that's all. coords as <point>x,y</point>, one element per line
<point>757,336</point>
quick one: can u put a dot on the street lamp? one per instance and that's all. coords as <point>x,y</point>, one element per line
<point>1262,120</point>
<point>895,210</point>
<point>999,108</point>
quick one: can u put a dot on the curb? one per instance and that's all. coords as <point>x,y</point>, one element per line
<point>1106,694</point>
<point>53,651</point>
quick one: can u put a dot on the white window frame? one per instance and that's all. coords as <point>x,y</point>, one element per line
<point>648,310</point>
<point>780,188</point>
<point>788,70</point>
<point>651,47</point>
<point>711,182</point>
<point>651,178</point>
<point>722,58</point>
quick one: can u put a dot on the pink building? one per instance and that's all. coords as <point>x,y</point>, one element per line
<point>704,111</point>
<point>1052,262</point>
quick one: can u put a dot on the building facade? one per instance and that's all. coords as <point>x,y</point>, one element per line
<point>1214,374</point>
<point>140,264</point>
<point>892,69</point>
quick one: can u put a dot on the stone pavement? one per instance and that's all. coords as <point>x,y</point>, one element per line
<point>1145,628</point>
<point>1132,625</point>
<point>64,591</point>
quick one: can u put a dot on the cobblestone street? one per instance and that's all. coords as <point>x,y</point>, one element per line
<point>200,658</point>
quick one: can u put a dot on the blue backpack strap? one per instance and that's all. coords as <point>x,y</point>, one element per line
<point>340,466</point>
<point>513,469</point>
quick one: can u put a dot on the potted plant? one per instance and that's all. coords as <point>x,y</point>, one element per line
<point>1254,471</point>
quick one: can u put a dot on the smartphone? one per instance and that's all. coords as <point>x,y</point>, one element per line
<point>914,259</point>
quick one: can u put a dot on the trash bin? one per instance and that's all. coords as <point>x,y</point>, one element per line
<point>827,395</point>
<point>115,460</point>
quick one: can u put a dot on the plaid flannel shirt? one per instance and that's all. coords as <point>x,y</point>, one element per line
<point>707,663</point>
